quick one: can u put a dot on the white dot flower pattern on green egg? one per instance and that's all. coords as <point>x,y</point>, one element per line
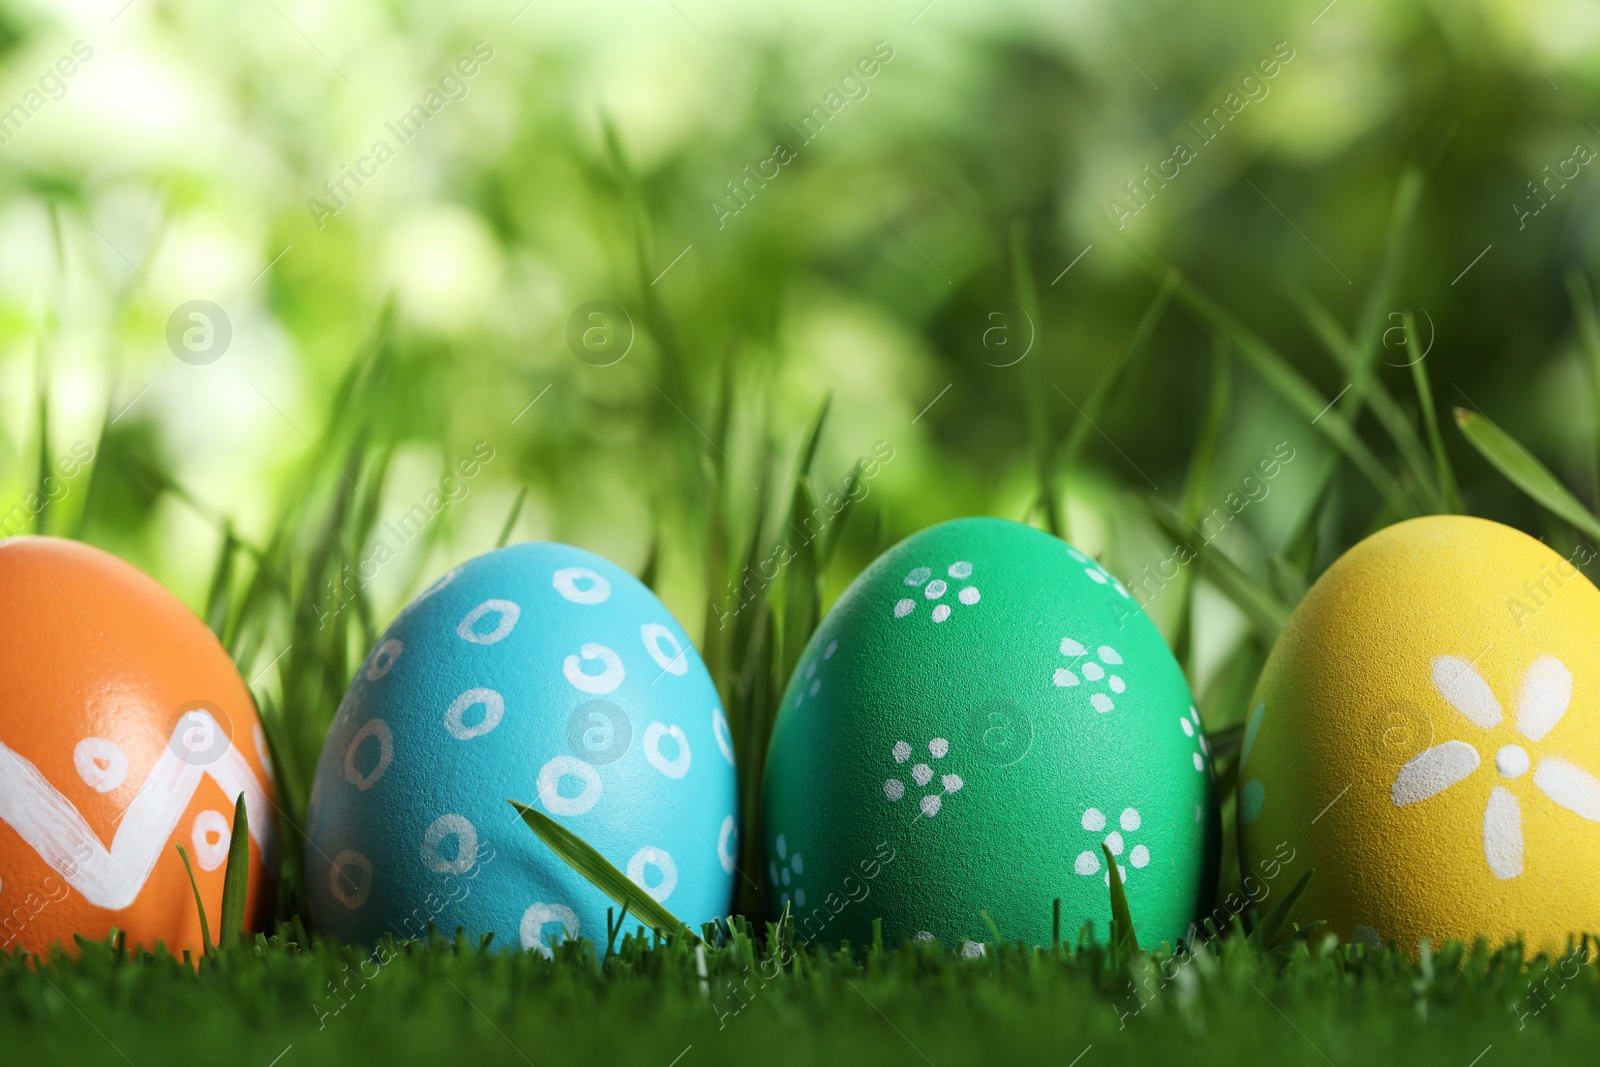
<point>812,684</point>
<point>545,674</point>
<point>1093,670</point>
<point>787,878</point>
<point>1098,574</point>
<point>934,589</point>
<point>1192,729</point>
<point>922,777</point>
<point>1089,860</point>
<point>988,706</point>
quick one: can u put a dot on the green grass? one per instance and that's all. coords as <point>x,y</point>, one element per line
<point>765,1002</point>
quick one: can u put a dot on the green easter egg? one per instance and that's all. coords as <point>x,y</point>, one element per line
<point>981,710</point>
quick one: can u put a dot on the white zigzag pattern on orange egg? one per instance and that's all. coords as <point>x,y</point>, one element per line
<point>113,878</point>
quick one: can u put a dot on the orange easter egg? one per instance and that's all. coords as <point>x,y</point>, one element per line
<point>124,731</point>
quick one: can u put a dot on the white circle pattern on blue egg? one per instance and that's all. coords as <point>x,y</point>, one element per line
<point>540,673</point>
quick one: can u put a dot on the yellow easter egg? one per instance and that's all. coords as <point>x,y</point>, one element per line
<point>1426,734</point>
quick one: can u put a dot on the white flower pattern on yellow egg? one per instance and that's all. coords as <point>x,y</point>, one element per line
<point>1546,693</point>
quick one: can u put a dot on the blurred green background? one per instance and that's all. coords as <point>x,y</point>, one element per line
<point>947,248</point>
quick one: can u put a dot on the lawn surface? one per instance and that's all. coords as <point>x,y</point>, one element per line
<point>1231,1004</point>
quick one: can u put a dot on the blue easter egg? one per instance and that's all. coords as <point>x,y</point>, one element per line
<point>540,673</point>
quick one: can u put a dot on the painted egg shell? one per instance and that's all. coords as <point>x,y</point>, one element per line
<point>540,673</point>
<point>124,730</point>
<point>1426,733</point>
<point>983,708</point>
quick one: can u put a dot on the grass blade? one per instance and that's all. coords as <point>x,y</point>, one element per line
<point>1588,325</point>
<point>1301,395</point>
<point>613,931</point>
<point>1268,613</point>
<point>1298,934</point>
<point>658,320</point>
<point>1363,351</point>
<point>802,593</point>
<point>1197,481</point>
<point>199,906</point>
<point>993,929</point>
<point>828,544</point>
<point>1288,383</point>
<point>511,520</point>
<point>1443,474</point>
<point>1124,939</point>
<point>1524,471</point>
<point>1266,931</point>
<point>1380,296</point>
<point>1365,387</point>
<point>583,858</point>
<point>1589,344</point>
<point>1032,379</point>
<point>1094,407</point>
<point>236,879</point>
<point>650,572</point>
<point>219,596</point>
<point>42,485</point>
<point>808,453</point>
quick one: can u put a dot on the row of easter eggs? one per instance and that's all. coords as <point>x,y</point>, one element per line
<point>984,723</point>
